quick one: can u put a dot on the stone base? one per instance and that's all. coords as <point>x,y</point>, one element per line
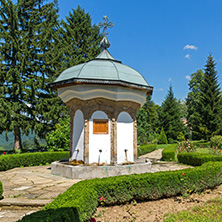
<point>90,172</point>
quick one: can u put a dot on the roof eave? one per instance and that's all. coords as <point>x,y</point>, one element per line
<point>74,81</point>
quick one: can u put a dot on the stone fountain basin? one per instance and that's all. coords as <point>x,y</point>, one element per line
<point>90,172</point>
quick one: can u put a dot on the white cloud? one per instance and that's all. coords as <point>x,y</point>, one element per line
<point>187,56</point>
<point>188,77</point>
<point>192,47</point>
<point>159,89</point>
<point>170,79</point>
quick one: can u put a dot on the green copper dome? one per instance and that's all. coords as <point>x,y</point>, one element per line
<point>104,69</point>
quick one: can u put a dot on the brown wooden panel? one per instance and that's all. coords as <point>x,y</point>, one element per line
<point>100,126</point>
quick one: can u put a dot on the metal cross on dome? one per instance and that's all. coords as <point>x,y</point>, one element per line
<point>105,25</point>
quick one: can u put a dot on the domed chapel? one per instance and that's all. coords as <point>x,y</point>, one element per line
<point>104,96</point>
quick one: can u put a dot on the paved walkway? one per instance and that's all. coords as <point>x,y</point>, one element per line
<point>27,189</point>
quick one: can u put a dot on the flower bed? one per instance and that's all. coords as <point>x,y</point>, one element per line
<point>30,159</point>
<point>80,201</point>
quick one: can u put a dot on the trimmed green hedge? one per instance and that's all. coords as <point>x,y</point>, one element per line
<point>201,145</point>
<point>141,150</point>
<point>169,153</point>
<point>80,201</point>
<point>197,159</point>
<point>30,159</point>
<point>1,190</point>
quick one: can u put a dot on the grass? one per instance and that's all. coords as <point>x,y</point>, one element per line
<point>203,150</point>
<point>211,211</point>
<point>162,146</point>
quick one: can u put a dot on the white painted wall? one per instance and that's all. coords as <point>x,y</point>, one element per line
<point>99,141</point>
<point>78,136</point>
<point>91,91</point>
<point>124,137</point>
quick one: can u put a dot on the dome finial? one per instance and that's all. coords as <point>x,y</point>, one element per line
<point>105,25</point>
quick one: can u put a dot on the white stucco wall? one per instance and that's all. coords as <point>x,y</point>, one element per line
<point>78,136</point>
<point>91,91</point>
<point>99,141</point>
<point>124,137</point>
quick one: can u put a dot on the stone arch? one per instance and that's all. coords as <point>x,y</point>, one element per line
<point>125,138</point>
<point>78,136</point>
<point>99,143</point>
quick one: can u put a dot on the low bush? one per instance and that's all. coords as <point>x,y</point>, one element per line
<point>169,153</point>
<point>216,142</point>
<point>141,150</point>
<point>197,159</point>
<point>79,202</point>
<point>201,144</point>
<point>30,159</point>
<point>1,190</point>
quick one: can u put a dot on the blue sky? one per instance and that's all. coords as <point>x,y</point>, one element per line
<point>165,40</point>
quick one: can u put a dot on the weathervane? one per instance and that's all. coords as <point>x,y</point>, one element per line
<point>105,25</point>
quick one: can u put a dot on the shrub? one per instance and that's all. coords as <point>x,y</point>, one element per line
<point>162,139</point>
<point>58,140</point>
<point>1,190</point>
<point>197,159</point>
<point>181,137</point>
<point>141,150</point>
<point>216,142</point>
<point>171,141</point>
<point>169,153</point>
<point>79,202</point>
<point>201,144</point>
<point>30,159</point>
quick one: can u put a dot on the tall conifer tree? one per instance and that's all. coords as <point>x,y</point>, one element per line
<point>79,37</point>
<point>147,120</point>
<point>210,101</point>
<point>28,32</point>
<point>170,119</point>
<point>193,104</point>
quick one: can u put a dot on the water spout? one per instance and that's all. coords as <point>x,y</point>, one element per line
<point>77,152</point>
<point>100,151</point>
<point>147,161</point>
<point>125,155</point>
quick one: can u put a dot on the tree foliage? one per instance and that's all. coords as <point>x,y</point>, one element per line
<point>210,101</point>
<point>147,121</point>
<point>162,139</point>
<point>170,116</point>
<point>79,37</point>
<point>34,50</point>
<point>58,140</point>
<point>192,101</point>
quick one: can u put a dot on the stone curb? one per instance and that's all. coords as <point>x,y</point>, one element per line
<point>23,202</point>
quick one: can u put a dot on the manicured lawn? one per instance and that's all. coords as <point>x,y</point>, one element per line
<point>210,211</point>
<point>203,150</point>
<point>162,146</point>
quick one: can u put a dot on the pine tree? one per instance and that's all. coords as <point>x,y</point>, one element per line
<point>210,101</point>
<point>162,139</point>
<point>170,119</point>
<point>27,37</point>
<point>79,37</point>
<point>147,121</point>
<point>193,107</point>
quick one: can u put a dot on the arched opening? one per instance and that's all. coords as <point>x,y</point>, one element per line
<point>78,136</point>
<point>99,138</point>
<point>124,138</point>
